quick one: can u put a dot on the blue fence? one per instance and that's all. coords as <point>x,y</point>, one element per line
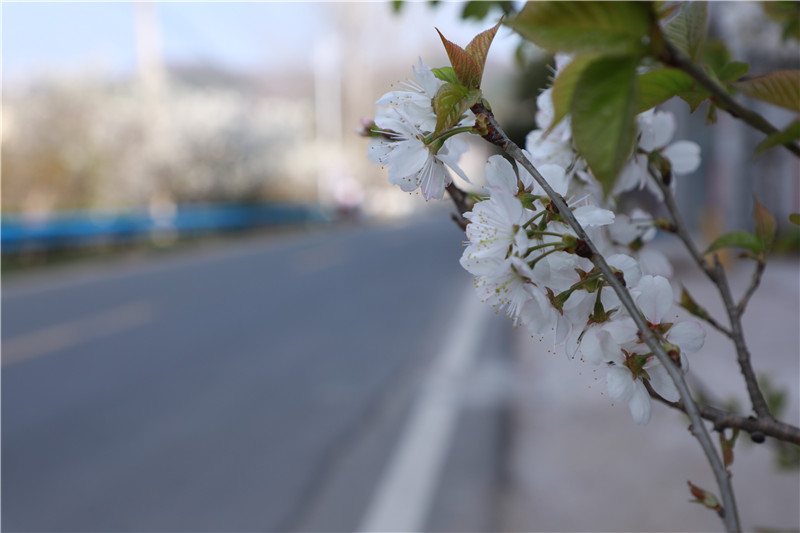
<point>86,228</point>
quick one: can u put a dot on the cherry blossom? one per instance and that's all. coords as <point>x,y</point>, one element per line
<point>656,129</point>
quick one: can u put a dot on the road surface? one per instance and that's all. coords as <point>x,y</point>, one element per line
<point>263,385</point>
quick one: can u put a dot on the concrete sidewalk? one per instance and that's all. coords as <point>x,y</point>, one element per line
<point>580,464</point>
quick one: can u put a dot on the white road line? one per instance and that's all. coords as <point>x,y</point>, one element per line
<point>75,332</point>
<point>404,492</point>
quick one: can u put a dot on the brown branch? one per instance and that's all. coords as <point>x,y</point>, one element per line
<point>495,135</point>
<point>671,56</point>
<point>742,352</point>
<point>716,325</point>
<point>460,199</point>
<point>758,428</point>
<point>755,281</point>
<point>716,273</point>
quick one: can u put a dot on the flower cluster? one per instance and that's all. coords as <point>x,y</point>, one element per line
<point>404,122</point>
<point>526,259</point>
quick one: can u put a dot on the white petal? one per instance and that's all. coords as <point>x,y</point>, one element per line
<point>425,77</point>
<point>545,112</point>
<point>639,403</point>
<point>684,156</point>
<point>433,179</point>
<point>589,215</point>
<point>597,346</point>
<point>663,125</point>
<point>537,313</point>
<point>407,158</point>
<point>623,331</point>
<point>500,173</point>
<point>688,335</point>
<point>510,207</point>
<point>655,298</point>
<point>572,343</point>
<point>661,382</point>
<point>563,327</point>
<point>622,230</point>
<point>555,176</point>
<point>629,267</point>
<point>620,383</point>
<point>654,263</point>
<point>630,178</point>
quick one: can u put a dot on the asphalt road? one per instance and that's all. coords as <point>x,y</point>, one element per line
<point>256,386</point>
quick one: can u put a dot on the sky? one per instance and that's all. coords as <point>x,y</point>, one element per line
<point>248,37</point>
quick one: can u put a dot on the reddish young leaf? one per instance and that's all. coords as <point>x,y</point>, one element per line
<point>478,48</point>
<point>764,223</point>
<point>467,70</point>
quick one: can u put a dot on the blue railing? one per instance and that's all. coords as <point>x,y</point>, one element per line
<point>86,228</point>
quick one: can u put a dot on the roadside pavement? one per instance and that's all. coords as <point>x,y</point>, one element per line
<point>579,463</point>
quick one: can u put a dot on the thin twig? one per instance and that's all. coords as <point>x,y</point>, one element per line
<point>716,325</point>
<point>496,136</point>
<point>672,56</point>
<point>716,273</point>
<point>755,281</point>
<point>742,352</point>
<point>460,199</point>
<point>758,428</point>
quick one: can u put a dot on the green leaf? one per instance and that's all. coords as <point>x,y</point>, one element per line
<point>586,27</point>
<point>446,74</point>
<point>690,304</point>
<point>467,70</point>
<point>788,135</point>
<point>716,55</point>
<point>658,86</point>
<point>603,115</point>
<point>794,218</point>
<point>787,13</point>
<point>736,239</point>
<point>478,48</point>
<point>694,97</point>
<point>666,10</point>
<point>564,86</point>
<point>732,71</point>
<point>764,225</point>
<point>687,31</point>
<point>451,102</point>
<point>476,10</point>
<point>781,88</point>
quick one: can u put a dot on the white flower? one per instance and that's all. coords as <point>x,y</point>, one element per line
<point>656,129</point>
<point>412,163</point>
<point>617,342</point>
<point>634,231</point>
<point>549,149</point>
<point>624,387</point>
<point>405,117</point>
<point>654,297</point>
<point>500,175</point>
<point>414,99</point>
<point>493,228</point>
